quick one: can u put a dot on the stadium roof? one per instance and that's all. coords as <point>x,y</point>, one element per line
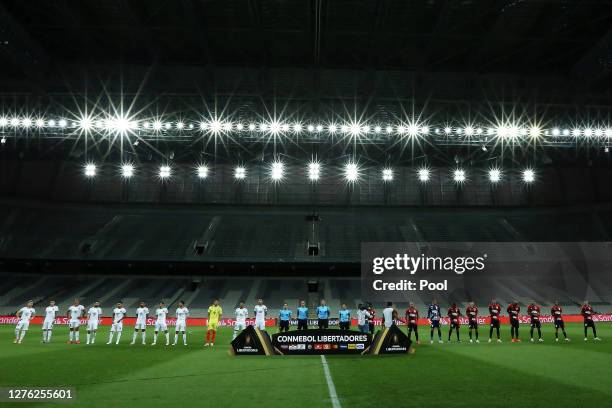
<point>308,49</point>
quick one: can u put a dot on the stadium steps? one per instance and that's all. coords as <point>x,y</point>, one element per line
<point>20,292</point>
<point>172,300</point>
<point>80,293</point>
<point>105,298</point>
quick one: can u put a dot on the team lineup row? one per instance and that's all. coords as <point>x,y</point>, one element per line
<point>365,320</point>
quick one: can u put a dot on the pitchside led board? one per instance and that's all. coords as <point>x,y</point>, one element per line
<point>419,271</point>
<point>252,341</point>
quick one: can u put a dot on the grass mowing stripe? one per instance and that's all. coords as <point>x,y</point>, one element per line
<point>330,384</point>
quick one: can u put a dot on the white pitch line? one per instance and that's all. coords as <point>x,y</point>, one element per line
<point>330,384</point>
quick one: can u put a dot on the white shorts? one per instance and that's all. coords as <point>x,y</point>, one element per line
<point>23,325</point>
<point>240,326</point>
<point>74,324</point>
<point>117,327</point>
<point>140,326</point>
<point>180,326</point>
<point>261,325</point>
<point>48,325</point>
<point>161,326</point>
<point>92,325</point>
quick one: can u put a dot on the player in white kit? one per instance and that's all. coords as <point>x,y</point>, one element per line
<point>242,313</point>
<point>160,324</point>
<point>50,315</point>
<point>117,326</point>
<point>260,315</point>
<point>75,312</point>
<point>93,318</point>
<point>181,322</point>
<point>25,314</point>
<point>141,322</point>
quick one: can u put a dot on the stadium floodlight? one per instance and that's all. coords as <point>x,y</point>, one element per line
<point>3,121</point>
<point>332,128</point>
<point>355,129</point>
<point>14,122</point>
<point>314,171</point>
<point>351,172</point>
<point>3,140</point>
<point>423,174</point>
<point>227,126</point>
<point>202,171</point>
<point>366,129</point>
<point>528,176</point>
<point>157,125</point>
<point>180,125</point>
<point>51,123</point>
<point>297,127</point>
<point>389,129</point>
<point>425,130</point>
<point>39,123</point>
<point>495,175</point>
<point>285,127</point>
<point>167,125</point>
<point>239,173</point>
<point>146,125</point>
<point>215,126</point>
<point>252,127</point>
<point>127,170</point>
<point>459,176</point>
<point>90,170</point>
<point>319,128</point>
<point>310,128</point>
<point>239,127</point>
<point>26,122</point>
<point>556,132</point>
<point>448,130</point>
<point>387,174</point>
<point>588,132</point>
<point>576,132</point>
<point>277,171</point>
<point>85,123</point>
<point>608,132</point>
<point>469,130</point>
<point>401,129</point>
<point>413,129</point>
<point>164,172</point>
<point>274,128</point>
<point>263,127</point>
<point>62,123</point>
<point>479,131</point>
<point>598,132</point>
<point>377,129</point>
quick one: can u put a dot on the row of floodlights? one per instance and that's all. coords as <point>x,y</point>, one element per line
<point>123,125</point>
<point>351,172</point>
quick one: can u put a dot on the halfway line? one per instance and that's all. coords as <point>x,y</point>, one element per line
<point>330,384</point>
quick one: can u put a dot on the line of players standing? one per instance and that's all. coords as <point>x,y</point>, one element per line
<point>533,311</point>
<point>365,320</point>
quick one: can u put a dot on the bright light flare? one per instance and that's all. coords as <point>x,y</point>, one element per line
<point>495,175</point>
<point>127,170</point>
<point>277,171</point>
<point>239,173</point>
<point>351,172</point>
<point>202,171</point>
<point>423,174</point>
<point>165,172</point>
<point>529,176</point>
<point>90,170</point>
<point>314,171</point>
<point>459,176</point>
<point>387,174</point>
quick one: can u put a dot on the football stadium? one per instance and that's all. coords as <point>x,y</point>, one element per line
<point>308,203</point>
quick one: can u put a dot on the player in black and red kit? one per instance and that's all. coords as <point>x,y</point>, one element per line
<point>557,314</point>
<point>587,313</point>
<point>513,312</point>
<point>371,324</point>
<point>494,315</point>
<point>453,314</point>
<point>534,313</point>
<point>412,319</point>
<point>472,314</point>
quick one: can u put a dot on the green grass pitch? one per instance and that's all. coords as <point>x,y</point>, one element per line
<point>451,375</point>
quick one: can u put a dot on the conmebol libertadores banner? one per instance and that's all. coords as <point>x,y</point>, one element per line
<point>407,271</point>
